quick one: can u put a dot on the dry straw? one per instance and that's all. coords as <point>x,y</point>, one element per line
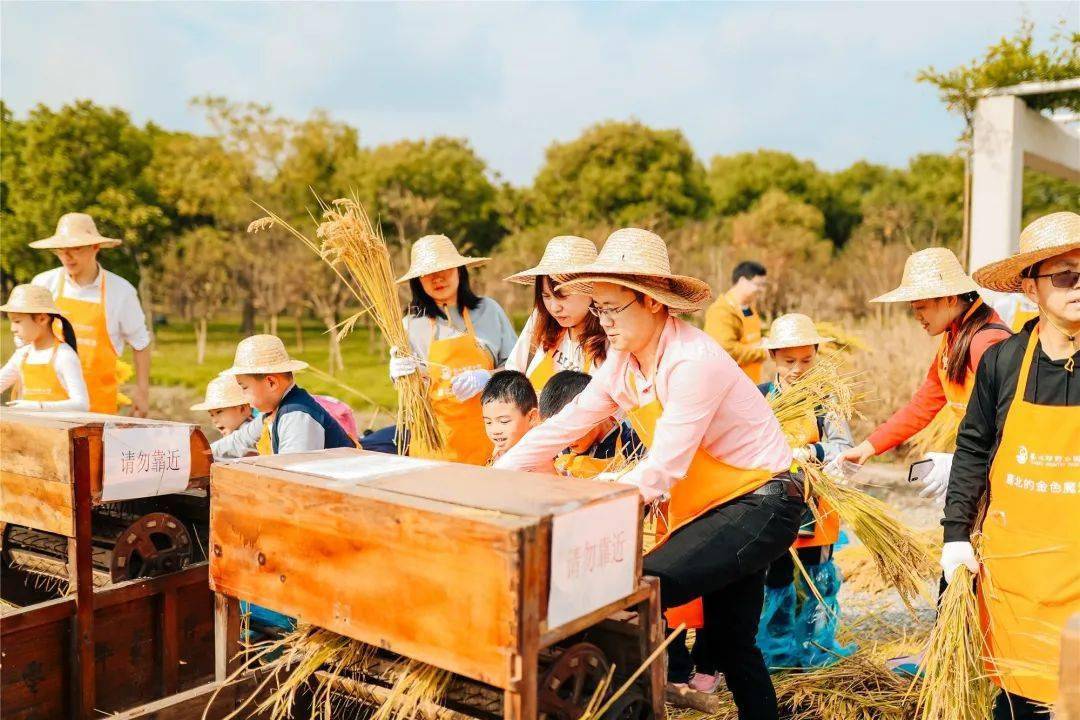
<point>354,247</point>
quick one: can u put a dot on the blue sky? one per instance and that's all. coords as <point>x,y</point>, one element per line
<point>833,82</point>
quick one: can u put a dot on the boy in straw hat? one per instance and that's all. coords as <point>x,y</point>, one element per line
<point>292,421</point>
<point>795,630</point>
<point>716,454</point>
<point>103,308</point>
<point>1019,446</point>
<point>45,369</point>
<point>226,405</point>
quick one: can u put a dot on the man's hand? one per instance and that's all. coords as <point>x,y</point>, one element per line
<point>140,402</point>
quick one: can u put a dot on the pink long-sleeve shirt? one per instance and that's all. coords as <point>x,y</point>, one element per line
<point>708,403</point>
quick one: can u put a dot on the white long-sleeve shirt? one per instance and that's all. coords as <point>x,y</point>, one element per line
<point>123,313</point>
<point>68,370</point>
<point>569,355</point>
<point>297,432</point>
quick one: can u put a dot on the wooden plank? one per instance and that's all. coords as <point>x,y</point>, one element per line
<point>37,502</point>
<point>170,643</point>
<point>554,635</point>
<point>425,579</point>
<point>192,703</point>
<point>226,637</point>
<point>194,575</point>
<point>651,627</point>
<point>195,629</point>
<point>34,682</point>
<point>127,651</point>
<point>520,701</point>
<point>35,446</point>
<point>80,561</point>
<point>33,616</point>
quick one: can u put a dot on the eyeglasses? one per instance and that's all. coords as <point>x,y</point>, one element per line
<point>609,313</point>
<point>1062,280</point>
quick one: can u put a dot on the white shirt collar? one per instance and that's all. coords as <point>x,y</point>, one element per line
<point>96,282</point>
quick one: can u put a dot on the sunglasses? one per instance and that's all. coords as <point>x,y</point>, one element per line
<point>1062,280</point>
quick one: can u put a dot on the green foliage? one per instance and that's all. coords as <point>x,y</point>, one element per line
<point>738,181</point>
<point>1044,194</point>
<point>624,173</point>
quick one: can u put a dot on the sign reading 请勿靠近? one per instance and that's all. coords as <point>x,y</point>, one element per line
<point>143,461</point>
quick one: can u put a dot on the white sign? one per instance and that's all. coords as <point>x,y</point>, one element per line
<point>145,461</point>
<point>593,557</point>
<point>356,469</point>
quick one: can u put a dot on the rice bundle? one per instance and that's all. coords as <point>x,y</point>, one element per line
<point>938,436</point>
<point>824,387</point>
<point>860,571</point>
<point>954,684</point>
<point>355,249</point>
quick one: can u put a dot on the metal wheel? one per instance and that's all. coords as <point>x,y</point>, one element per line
<point>571,681</point>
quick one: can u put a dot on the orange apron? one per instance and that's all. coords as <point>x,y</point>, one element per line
<point>96,352</point>
<point>751,333</point>
<point>708,483</point>
<point>546,370</point>
<point>826,520</point>
<point>587,467</point>
<point>1020,315</point>
<point>40,383</point>
<point>1030,579</point>
<point>461,424</point>
<point>265,446</point>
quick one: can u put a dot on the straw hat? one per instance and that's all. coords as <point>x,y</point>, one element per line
<point>30,299</point>
<point>261,355</point>
<point>638,259</point>
<point>222,392</point>
<point>563,254</point>
<point>1047,237</point>
<point>434,253</point>
<point>930,273</point>
<point>793,330</point>
<point>75,230</point>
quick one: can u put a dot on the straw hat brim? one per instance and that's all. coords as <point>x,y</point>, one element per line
<point>291,366</point>
<point>1005,275</point>
<point>795,342</point>
<point>440,266</point>
<point>682,294</point>
<point>30,309</point>
<point>57,242</point>
<point>215,405</point>
<point>911,293</point>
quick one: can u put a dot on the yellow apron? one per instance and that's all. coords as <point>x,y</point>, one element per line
<point>1020,315</point>
<point>751,333</point>
<point>96,352</point>
<point>827,521</point>
<point>587,467</point>
<point>461,424</point>
<point>1030,580</point>
<point>40,383</point>
<point>265,446</point>
<point>546,370</point>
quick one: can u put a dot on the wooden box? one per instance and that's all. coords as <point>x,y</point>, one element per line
<point>444,563</point>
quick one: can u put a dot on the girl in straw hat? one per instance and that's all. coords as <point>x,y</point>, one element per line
<point>561,334</point>
<point>458,339</point>
<point>1019,448</point>
<point>946,303</point>
<point>46,370</point>
<point>717,456</point>
<point>103,308</point>
<point>795,630</point>
<point>226,405</point>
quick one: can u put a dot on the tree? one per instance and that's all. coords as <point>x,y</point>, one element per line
<point>195,277</point>
<point>738,181</point>
<point>846,193</point>
<point>441,184</point>
<point>624,173</point>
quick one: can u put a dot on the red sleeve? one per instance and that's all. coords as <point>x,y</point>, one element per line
<point>913,417</point>
<point>981,342</point>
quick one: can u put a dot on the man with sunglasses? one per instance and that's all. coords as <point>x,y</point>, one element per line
<point>1018,453</point>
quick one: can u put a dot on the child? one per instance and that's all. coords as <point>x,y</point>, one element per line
<point>792,634</point>
<point>597,450</point>
<point>226,405</point>
<point>47,370</point>
<point>509,408</point>
<point>292,420</point>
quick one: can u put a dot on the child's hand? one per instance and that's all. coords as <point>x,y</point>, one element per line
<point>860,453</point>
<point>469,384</point>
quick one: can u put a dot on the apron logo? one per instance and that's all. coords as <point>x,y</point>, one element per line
<point>1022,455</point>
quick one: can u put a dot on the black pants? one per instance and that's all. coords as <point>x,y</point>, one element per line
<point>781,571</point>
<point>721,557</point>
<point>1015,707</point>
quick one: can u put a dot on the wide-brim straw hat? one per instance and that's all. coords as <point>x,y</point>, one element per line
<point>638,259</point>
<point>793,330</point>
<point>75,230</point>
<point>262,355</point>
<point>1049,236</point>
<point>435,253</point>
<point>30,299</point>
<point>222,392</point>
<point>930,273</point>
<point>563,254</point>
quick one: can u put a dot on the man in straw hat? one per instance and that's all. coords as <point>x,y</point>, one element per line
<point>103,308</point>
<point>716,453</point>
<point>1019,446</point>
<point>292,421</point>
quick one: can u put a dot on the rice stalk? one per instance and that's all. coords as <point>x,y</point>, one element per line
<point>954,684</point>
<point>825,387</point>
<point>354,248</point>
<point>938,436</point>
<point>860,571</point>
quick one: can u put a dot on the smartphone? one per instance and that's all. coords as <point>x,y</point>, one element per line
<point>919,470</point>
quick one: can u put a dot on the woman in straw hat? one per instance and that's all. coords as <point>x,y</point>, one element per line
<point>795,630</point>
<point>561,334</point>
<point>46,370</point>
<point>103,308</point>
<point>1019,446</point>
<point>719,457</point>
<point>946,302</point>
<point>458,339</point>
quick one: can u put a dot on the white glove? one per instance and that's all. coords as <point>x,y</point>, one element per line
<point>801,454</point>
<point>936,482</point>
<point>955,554</point>
<point>26,405</point>
<point>402,364</point>
<point>469,384</point>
